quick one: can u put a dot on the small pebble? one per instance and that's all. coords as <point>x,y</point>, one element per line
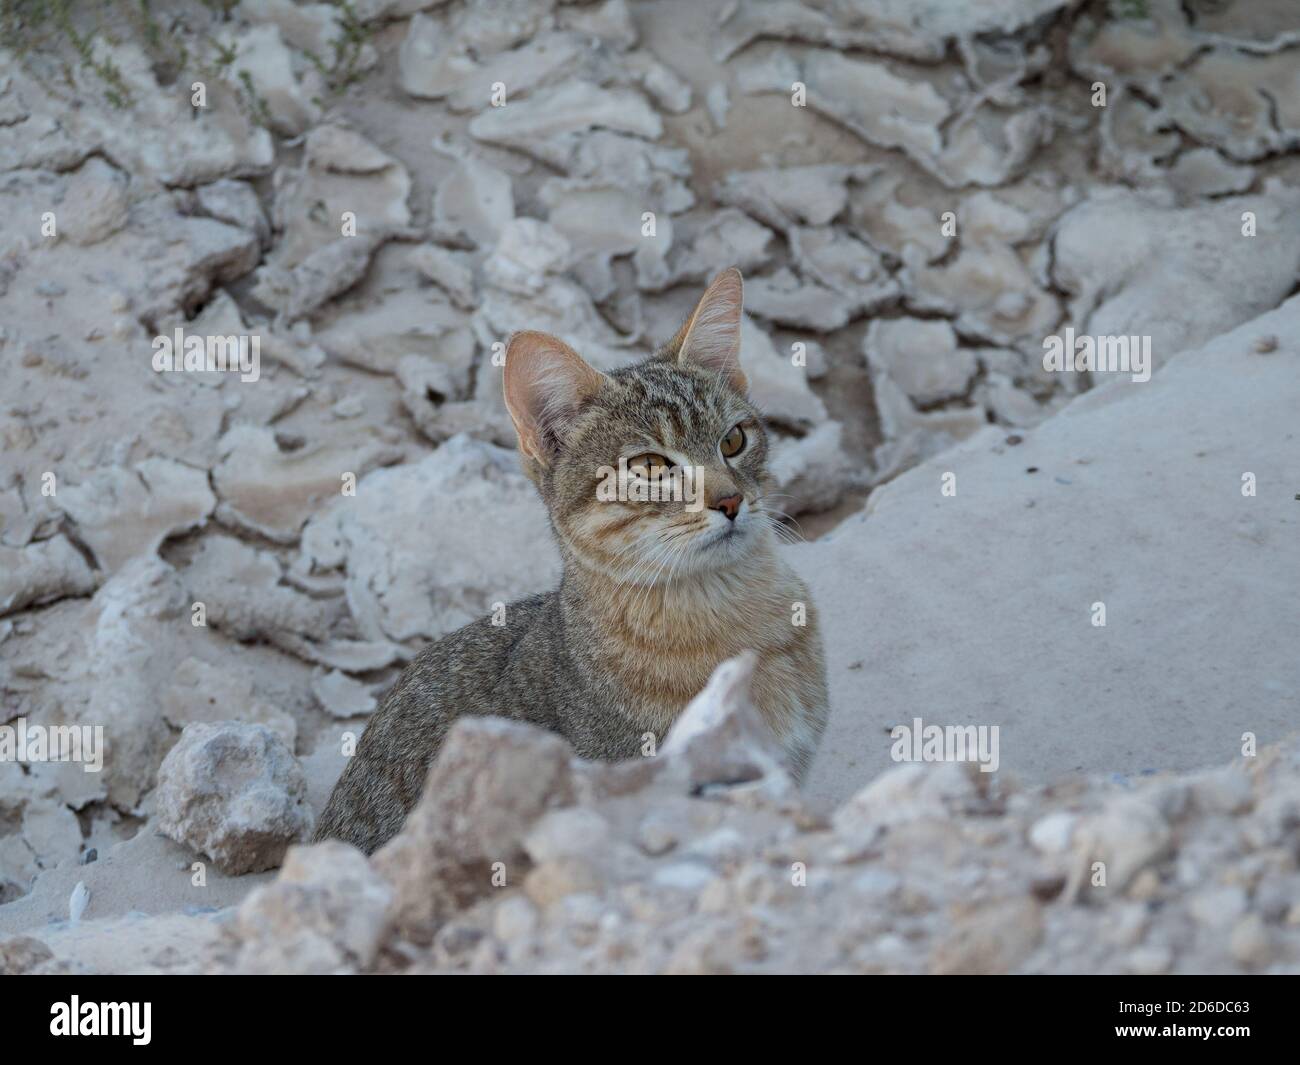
<point>1249,941</point>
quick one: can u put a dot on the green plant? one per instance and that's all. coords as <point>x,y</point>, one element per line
<point>66,31</point>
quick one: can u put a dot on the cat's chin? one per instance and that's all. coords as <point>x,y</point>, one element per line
<point>722,546</point>
<point>715,547</point>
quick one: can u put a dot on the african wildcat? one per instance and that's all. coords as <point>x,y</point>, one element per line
<point>654,593</point>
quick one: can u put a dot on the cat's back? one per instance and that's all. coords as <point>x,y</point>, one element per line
<point>465,672</point>
<point>504,664</point>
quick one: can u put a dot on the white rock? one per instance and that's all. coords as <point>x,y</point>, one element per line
<point>236,203</point>
<point>1251,942</point>
<point>342,696</point>
<point>200,692</point>
<point>914,32</point>
<point>526,252</point>
<point>260,54</point>
<point>377,335</point>
<point>341,173</point>
<point>782,198</point>
<point>992,294</point>
<point>100,194</point>
<point>452,271</point>
<point>721,738</point>
<point>326,912</point>
<point>812,472</point>
<point>1052,834</point>
<point>270,488</point>
<point>1204,172</point>
<point>317,29</point>
<point>406,578</point>
<point>567,833</point>
<point>235,793</point>
<point>170,144</point>
<point>130,628</point>
<point>921,357</point>
<point>475,199</point>
<point>78,902</point>
<point>911,436</point>
<point>515,919</point>
<point>909,792</point>
<point>41,572</point>
<point>571,107</point>
<point>1181,306</point>
<point>718,103</point>
<point>777,385</point>
<point>1127,835</point>
<point>1150,961</point>
<point>1222,99</point>
<point>1217,907</point>
<point>125,512</point>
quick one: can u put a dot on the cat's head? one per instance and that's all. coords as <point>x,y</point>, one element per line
<point>655,470</point>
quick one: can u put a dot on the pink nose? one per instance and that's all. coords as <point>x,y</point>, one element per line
<point>729,505</point>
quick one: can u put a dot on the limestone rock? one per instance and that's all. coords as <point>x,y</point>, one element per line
<point>200,692</point>
<point>262,58</point>
<point>720,738</point>
<point>344,200</point>
<point>342,696</point>
<point>536,123</point>
<point>122,512</point>
<point>271,484</point>
<point>235,793</point>
<point>405,578</point>
<point>1126,836</point>
<point>40,572</point>
<point>475,200</point>
<point>22,954</point>
<point>921,357</point>
<point>812,472</point>
<point>99,192</point>
<point>236,203</point>
<point>1183,306</point>
<point>326,912</point>
<point>491,781</point>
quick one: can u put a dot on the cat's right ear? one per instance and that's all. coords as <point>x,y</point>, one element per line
<point>546,381</point>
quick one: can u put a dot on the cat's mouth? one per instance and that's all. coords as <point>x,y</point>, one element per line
<point>723,537</point>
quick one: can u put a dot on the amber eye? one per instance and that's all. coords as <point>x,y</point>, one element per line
<point>733,443</point>
<point>648,465</point>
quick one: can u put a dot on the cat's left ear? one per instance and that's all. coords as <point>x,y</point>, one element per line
<point>710,339</point>
<point>546,381</point>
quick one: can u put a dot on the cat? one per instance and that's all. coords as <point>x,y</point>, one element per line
<point>654,593</point>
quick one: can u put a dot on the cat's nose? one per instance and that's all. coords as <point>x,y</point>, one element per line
<point>729,505</point>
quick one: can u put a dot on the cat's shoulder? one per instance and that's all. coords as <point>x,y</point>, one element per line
<point>482,643</point>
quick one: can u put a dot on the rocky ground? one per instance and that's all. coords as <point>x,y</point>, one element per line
<point>182,561</point>
<point>706,860</point>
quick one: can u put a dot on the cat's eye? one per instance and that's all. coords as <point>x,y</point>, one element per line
<point>649,465</point>
<point>733,443</point>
